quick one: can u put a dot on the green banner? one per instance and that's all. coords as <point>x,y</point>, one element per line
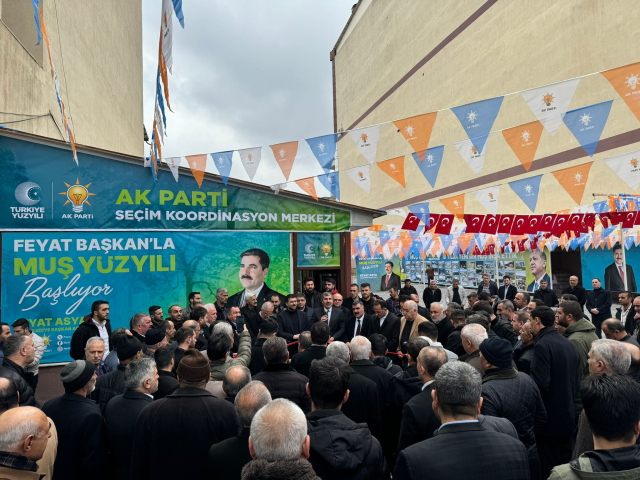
<point>319,250</point>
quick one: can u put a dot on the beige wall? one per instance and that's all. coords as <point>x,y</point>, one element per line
<point>513,46</point>
<point>101,82</point>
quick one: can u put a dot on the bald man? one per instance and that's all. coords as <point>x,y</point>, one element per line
<point>24,432</point>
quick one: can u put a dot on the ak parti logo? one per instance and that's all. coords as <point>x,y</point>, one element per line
<point>634,162</point>
<point>78,195</point>
<point>548,99</point>
<point>364,137</point>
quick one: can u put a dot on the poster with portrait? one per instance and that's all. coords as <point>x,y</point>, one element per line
<point>538,269</point>
<point>374,270</point>
<point>607,266</point>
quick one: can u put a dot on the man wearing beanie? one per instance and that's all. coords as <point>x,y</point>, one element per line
<point>154,339</point>
<point>111,384</point>
<point>510,394</point>
<point>82,447</point>
<point>191,416</point>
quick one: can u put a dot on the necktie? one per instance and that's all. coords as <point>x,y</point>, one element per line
<point>506,289</point>
<point>387,280</point>
<point>328,314</point>
<point>621,273</point>
<point>536,287</point>
<point>358,329</point>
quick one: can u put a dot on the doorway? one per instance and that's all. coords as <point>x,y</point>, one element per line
<point>563,265</point>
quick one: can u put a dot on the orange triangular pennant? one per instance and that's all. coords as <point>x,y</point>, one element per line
<point>197,164</point>
<point>455,205</point>
<point>307,184</point>
<point>574,180</point>
<point>394,168</point>
<point>417,131</point>
<point>524,140</point>
<point>285,154</point>
<point>626,81</point>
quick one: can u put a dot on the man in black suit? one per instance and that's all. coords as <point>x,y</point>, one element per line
<point>614,275</point>
<point>463,448</point>
<point>254,269</point>
<point>228,457</point>
<point>408,289</point>
<point>507,291</point>
<point>311,295</point>
<point>361,363</point>
<point>487,285</point>
<point>357,324</point>
<point>334,317</point>
<point>268,328</point>
<point>577,290</point>
<point>431,294</point>
<point>389,279</point>
<point>167,380</point>
<point>141,382</point>
<point>418,418</point>
<point>354,295</point>
<point>250,314</point>
<point>301,361</point>
<point>292,322</point>
<point>385,323</point>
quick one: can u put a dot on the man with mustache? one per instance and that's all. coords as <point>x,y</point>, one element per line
<point>254,269</point>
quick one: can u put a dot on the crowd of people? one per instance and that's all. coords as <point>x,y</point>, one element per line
<point>492,383</point>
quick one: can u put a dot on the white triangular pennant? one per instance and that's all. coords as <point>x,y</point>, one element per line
<point>393,230</point>
<point>366,139</point>
<point>397,211</point>
<point>159,124</point>
<point>550,103</point>
<point>360,175</point>
<point>488,197</point>
<point>250,158</point>
<point>167,32</point>
<point>470,154</point>
<point>627,167</point>
<point>173,163</point>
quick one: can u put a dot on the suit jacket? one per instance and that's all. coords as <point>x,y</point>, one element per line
<point>414,328</point>
<point>287,329</point>
<point>531,286</point>
<point>429,296</point>
<point>264,296</point>
<point>418,419</point>
<point>350,326</point>
<point>252,319</point>
<point>600,299</point>
<point>511,292</point>
<point>464,450</point>
<point>336,321</point>
<point>167,384</point>
<point>579,292</point>
<point>120,419</point>
<point>613,281</point>
<point>228,457</point>
<point>380,376</point>
<point>390,329</point>
<point>394,281</point>
<point>301,361</point>
<point>257,357</point>
<point>493,288</point>
<point>362,405</point>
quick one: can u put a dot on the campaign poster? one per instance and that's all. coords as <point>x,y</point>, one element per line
<point>318,250</point>
<point>538,268</point>
<point>51,279</point>
<point>607,266</point>
<point>372,271</point>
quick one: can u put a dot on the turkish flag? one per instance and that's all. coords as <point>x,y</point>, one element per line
<point>637,220</point>
<point>411,222</point>
<point>445,224</point>
<point>474,223</point>
<point>505,223</point>
<point>476,251</point>
<point>521,247</point>
<point>490,225</point>
<point>575,223</point>
<point>491,249</point>
<point>534,224</point>
<point>629,219</point>
<point>547,222</point>
<point>559,225</point>
<point>431,222</point>
<point>605,219</point>
<point>617,217</point>
<point>533,243</point>
<point>519,224</point>
<point>589,222</point>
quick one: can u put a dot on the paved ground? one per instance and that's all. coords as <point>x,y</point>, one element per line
<point>49,384</point>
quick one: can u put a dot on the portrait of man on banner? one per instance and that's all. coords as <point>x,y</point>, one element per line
<point>538,269</point>
<point>254,269</point>
<point>614,274</point>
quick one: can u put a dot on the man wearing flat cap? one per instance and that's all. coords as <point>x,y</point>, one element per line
<point>82,447</point>
<point>510,394</point>
<point>154,339</point>
<point>199,418</point>
<point>111,384</point>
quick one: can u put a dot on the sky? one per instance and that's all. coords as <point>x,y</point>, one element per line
<point>246,73</point>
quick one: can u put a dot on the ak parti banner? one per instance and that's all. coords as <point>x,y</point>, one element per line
<point>524,141</point>
<point>197,164</point>
<point>285,154</point>
<point>626,81</point>
<point>307,184</point>
<point>417,131</point>
<point>574,180</point>
<point>455,205</point>
<point>394,168</point>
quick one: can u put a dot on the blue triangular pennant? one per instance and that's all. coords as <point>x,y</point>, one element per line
<point>420,210</point>
<point>587,124</point>
<point>331,181</point>
<point>160,100</point>
<point>477,119</point>
<point>528,189</point>
<point>223,162</point>
<point>430,166</point>
<point>601,207</point>
<point>446,240</point>
<point>384,237</point>
<point>324,149</point>
<point>177,8</point>
<point>503,238</point>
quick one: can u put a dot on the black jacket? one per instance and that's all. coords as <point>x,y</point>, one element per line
<point>513,395</point>
<point>336,321</point>
<point>350,327</point>
<point>282,381</point>
<point>579,292</point>
<point>418,419</point>
<point>390,329</point>
<point>381,377</point>
<point>221,312</point>
<point>342,449</point>
<point>108,386</point>
<point>301,361</point>
<point>555,369</point>
<point>253,320</point>
<point>512,291</point>
<point>454,342</point>
<point>257,357</point>
<point>314,299</point>
<point>464,450</point>
<point>362,405</point>
<point>429,296</point>
<point>203,420</point>
<point>388,365</point>
<point>401,392</point>
<point>167,384</point>
<point>120,419</point>
<point>523,355</point>
<point>82,452</point>
<point>493,288</point>
<point>503,329</point>
<point>600,299</point>
<point>408,291</point>
<point>288,326</point>
<point>630,322</point>
<point>348,303</point>
<point>548,296</point>
<point>84,332</point>
<point>15,372</point>
<point>228,457</point>
<point>444,330</point>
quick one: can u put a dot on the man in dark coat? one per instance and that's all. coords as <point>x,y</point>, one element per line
<point>454,341</point>
<point>488,286</point>
<point>311,295</point>
<point>251,317</point>
<point>408,289</point>
<point>379,356</point>
<point>228,457</point>
<point>111,384</point>
<point>167,380</point>
<point>121,414</point>
<point>418,418</point>
<point>499,325</point>
<point>96,324</point>
<point>547,295</point>
<point>333,316</point>
<point>82,439</point>
<point>280,378</point>
<point>599,305</point>
<point>431,294</point>
<point>203,419</point>
<point>268,329</point>
<point>463,448</point>
<point>510,394</point>
<point>357,324</point>
<point>577,290</point>
<point>292,322</point>
<point>385,323</point>
<point>439,317</point>
<point>507,291</point>
<point>18,353</point>
<point>301,361</point>
<point>523,353</point>
<point>361,363</point>
<point>555,369</point>
<point>357,454</point>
